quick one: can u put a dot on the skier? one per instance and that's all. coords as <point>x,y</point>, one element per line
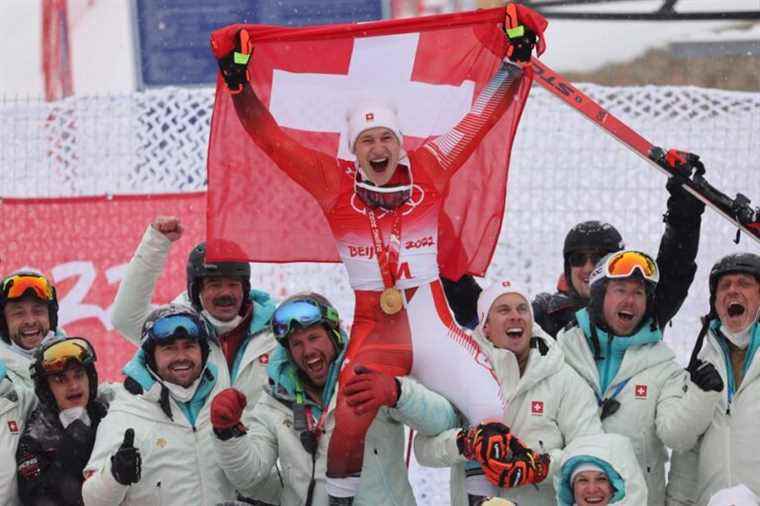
<point>383,212</point>
<point>616,346</point>
<point>292,423</point>
<point>28,314</point>
<point>550,405</point>
<point>587,242</point>
<point>59,434</point>
<point>236,314</point>
<point>155,444</point>
<point>727,454</point>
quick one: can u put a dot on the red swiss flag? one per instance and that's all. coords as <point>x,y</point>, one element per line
<point>537,407</point>
<point>641,392</point>
<point>430,68</point>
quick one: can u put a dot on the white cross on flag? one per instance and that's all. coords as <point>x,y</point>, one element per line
<point>430,69</point>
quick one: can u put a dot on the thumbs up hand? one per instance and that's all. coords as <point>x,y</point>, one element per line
<point>126,463</point>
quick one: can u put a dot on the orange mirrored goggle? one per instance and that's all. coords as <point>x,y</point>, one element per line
<point>624,263</point>
<point>17,286</point>
<point>57,356</point>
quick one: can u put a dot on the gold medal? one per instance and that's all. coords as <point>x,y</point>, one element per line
<point>391,301</point>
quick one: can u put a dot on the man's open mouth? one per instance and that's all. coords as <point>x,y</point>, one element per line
<point>379,165</point>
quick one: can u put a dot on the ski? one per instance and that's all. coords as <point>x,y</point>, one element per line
<point>738,210</point>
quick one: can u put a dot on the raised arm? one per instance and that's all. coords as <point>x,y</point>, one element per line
<point>446,154</point>
<point>132,303</point>
<point>317,172</point>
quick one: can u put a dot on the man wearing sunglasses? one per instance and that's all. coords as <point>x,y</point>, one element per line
<point>728,452</point>
<point>587,242</point>
<point>154,446</point>
<point>293,421</point>
<point>59,434</point>
<point>28,314</point>
<point>642,392</point>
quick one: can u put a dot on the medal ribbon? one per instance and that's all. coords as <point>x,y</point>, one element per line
<point>387,256</point>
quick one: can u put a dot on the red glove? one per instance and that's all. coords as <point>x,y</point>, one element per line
<point>368,390</point>
<point>522,469</point>
<point>227,408</point>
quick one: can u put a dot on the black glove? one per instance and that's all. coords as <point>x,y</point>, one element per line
<point>705,376</point>
<point>126,464</point>
<point>682,205</point>
<point>234,66</point>
<point>522,42</point>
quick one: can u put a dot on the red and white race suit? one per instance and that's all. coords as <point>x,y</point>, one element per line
<point>422,339</point>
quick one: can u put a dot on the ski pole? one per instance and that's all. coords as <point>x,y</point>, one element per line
<point>737,210</point>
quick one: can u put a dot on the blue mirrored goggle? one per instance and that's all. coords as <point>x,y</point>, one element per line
<point>302,312</point>
<point>177,326</point>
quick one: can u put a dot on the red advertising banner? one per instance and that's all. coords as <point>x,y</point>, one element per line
<point>84,245</point>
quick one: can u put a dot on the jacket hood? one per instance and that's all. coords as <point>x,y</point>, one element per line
<point>546,359</point>
<point>263,307</point>
<point>614,454</point>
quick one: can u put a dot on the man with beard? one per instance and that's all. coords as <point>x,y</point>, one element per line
<point>237,316</point>
<point>643,393</point>
<point>155,444</point>
<point>28,313</point>
<point>293,422</point>
<point>727,453</point>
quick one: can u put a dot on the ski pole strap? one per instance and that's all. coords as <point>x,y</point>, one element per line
<point>241,58</point>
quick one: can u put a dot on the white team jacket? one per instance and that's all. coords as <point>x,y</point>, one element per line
<point>728,453</point>
<point>660,406</point>
<point>16,403</point>
<point>178,462</point>
<point>549,406</point>
<point>384,480</point>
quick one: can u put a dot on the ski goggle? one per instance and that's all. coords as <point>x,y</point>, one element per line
<point>579,258</point>
<point>57,356</point>
<point>301,313</point>
<point>624,264</point>
<point>18,285</point>
<point>176,326</point>
<point>387,198</point>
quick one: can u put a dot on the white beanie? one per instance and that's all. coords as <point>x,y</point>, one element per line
<point>739,495</point>
<point>587,466</point>
<point>371,114</point>
<point>493,292</point>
